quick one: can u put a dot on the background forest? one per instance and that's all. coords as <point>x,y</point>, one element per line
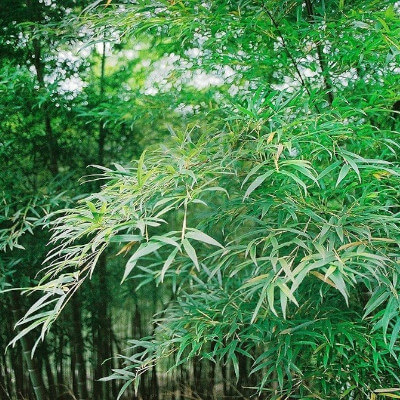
<point>199,199</point>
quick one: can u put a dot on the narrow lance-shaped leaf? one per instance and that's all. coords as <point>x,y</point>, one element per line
<point>168,263</point>
<point>191,252</point>
<point>202,237</point>
<point>256,183</point>
<point>342,174</point>
<point>143,250</point>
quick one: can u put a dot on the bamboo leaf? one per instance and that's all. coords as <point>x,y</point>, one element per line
<point>256,183</point>
<point>394,336</point>
<point>202,237</point>
<point>342,174</point>
<point>191,252</point>
<point>143,250</point>
<point>168,263</point>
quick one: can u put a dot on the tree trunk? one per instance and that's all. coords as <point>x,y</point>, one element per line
<point>137,333</point>
<point>243,375</point>
<point>181,380</point>
<point>154,388</point>
<point>79,348</point>
<point>197,381</point>
<point>4,393</point>
<point>60,361</point>
<point>38,64</point>
<point>49,372</point>
<point>210,368</point>
<point>103,335</point>
<point>114,362</point>
<point>94,360</point>
<point>18,371</point>
<point>72,355</point>
<point>101,323</point>
<point>8,366</point>
<point>34,374</point>
<point>102,130</point>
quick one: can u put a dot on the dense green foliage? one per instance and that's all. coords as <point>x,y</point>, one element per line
<point>260,225</point>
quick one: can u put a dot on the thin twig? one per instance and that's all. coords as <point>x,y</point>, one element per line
<point>293,60</point>
<point>320,56</point>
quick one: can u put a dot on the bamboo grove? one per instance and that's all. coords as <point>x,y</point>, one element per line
<point>199,199</point>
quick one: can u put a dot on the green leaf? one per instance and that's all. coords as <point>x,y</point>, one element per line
<point>140,169</point>
<point>327,170</point>
<point>259,304</point>
<point>191,252</point>
<point>342,174</point>
<point>394,335</point>
<point>168,263</point>
<point>126,238</point>
<point>143,250</point>
<point>353,165</point>
<point>287,292</point>
<point>377,298</point>
<point>195,234</point>
<point>271,298</point>
<point>337,279</point>
<point>256,183</point>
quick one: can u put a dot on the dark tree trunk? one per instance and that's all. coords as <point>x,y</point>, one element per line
<point>49,372</point>
<point>114,361</point>
<point>197,379</point>
<point>94,359</point>
<point>8,366</point>
<point>79,349</point>
<point>4,393</point>
<point>173,387</point>
<point>60,361</point>
<point>39,68</point>
<point>137,333</point>
<point>72,356</point>
<point>154,388</point>
<point>102,129</point>
<point>18,370</point>
<point>243,375</point>
<point>102,328</point>
<point>210,382</point>
<point>34,373</point>
<point>181,380</point>
<point>104,325</point>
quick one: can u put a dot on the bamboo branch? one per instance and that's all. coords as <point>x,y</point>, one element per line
<point>289,54</point>
<point>320,56</point>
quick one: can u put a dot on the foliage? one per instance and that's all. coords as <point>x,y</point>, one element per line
<point>256,249</point>
<point>270,213</point>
